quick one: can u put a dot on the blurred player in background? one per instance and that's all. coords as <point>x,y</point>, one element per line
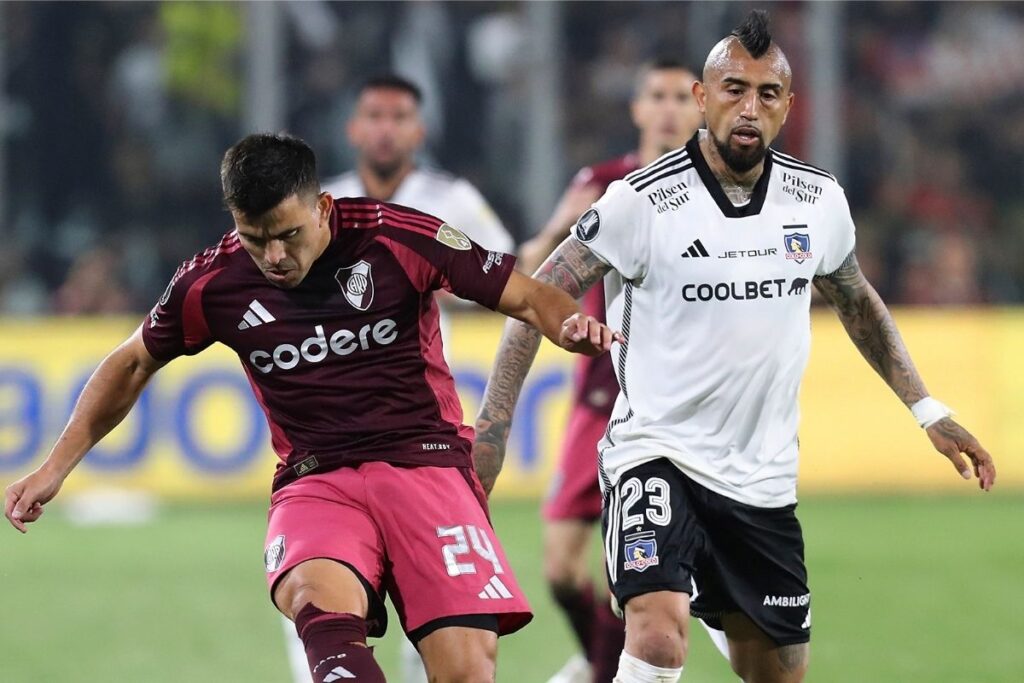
<point>329,305</point>
<point>387,131</point>
<point>710,253</point>
<point>666,116</point>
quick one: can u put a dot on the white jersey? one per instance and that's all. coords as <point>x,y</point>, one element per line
<point>714,301</point>
<point>453,200</point>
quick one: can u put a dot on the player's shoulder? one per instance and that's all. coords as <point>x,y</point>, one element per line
<point>667,166</point>
<point>215,258</point>
<point>366,213</point>
<point>785,163</point>
<point>203,268</point>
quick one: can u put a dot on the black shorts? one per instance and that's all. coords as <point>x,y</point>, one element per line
<point>662,530</point>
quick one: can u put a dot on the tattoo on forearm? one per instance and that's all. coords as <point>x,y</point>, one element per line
<point>871,327</point>
<point>572,268</point>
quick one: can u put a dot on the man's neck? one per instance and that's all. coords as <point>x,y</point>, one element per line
<point>381,188</point>
<point>738,187</point>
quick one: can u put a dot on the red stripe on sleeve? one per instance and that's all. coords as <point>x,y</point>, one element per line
<point>195,329</point>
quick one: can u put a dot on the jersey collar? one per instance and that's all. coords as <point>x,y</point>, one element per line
<point>728,209</point>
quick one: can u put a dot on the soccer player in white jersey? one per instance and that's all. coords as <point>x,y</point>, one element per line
<point>387,131</point>
<point>707,255</point>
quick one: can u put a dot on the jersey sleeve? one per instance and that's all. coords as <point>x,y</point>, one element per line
<point>616,228</point>
<point>841,233</point>
<point>471,212</point>
<point>436,255</point>
<point>177,326</point>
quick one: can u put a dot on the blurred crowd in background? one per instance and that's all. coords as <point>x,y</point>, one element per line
<point>114,116</point>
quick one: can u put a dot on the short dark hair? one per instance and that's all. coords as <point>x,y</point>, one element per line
<point>262,170</point>
<point>392,82</point>
<point>656,64</point>
<point>753,33</point>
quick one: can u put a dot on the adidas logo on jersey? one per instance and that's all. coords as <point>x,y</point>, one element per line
<point>255,316</point>
<point>696,250</point>
<point>495,590</point>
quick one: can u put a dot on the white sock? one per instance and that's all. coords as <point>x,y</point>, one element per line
<point>633,670</point>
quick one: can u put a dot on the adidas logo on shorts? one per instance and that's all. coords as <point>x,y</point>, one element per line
<point>495,590</point>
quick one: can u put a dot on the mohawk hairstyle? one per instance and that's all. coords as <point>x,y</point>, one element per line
<point>753,33</point>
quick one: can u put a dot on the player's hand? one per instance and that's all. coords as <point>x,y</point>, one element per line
<point>25,498</point>
<point>950,439</point>
<point>587,335</point>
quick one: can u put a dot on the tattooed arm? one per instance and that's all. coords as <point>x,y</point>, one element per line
<point>874,333</point>
<point>573,268</point>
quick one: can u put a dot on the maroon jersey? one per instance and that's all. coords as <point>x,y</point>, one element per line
<point>348,365</point>
<point>596,386</point>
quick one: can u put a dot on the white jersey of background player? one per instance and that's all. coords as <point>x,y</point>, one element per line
<point>387,131</point>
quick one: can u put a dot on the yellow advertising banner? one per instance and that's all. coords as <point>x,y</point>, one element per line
<point>197,432</point>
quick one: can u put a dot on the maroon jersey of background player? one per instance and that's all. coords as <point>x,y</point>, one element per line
<point>596,386</point>
<point>348,365</point>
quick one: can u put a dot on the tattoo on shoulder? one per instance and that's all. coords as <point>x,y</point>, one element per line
<point>573,268</point>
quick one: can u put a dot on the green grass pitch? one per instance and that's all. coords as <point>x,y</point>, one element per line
<point>916,589</point>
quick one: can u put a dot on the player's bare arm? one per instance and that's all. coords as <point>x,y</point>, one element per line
<point>572,269</point>
<point>109,394</point>
<point>571,206</point>
<point>870,325</point>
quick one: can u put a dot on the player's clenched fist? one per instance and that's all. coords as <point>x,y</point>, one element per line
<point>24,499</point>
<point>587,335</point>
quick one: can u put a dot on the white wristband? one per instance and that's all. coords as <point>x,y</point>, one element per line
<point>928,411</point>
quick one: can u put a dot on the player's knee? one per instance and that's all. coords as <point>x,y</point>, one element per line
<point>786,664</point>
<point>563,571</point>
<point>474,664</point>
<point>564,589</point>
<point>294,591</point>
<point>657,631</point>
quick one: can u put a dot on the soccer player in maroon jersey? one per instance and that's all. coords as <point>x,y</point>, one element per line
<point>329,305</point>
<point>666,115</point>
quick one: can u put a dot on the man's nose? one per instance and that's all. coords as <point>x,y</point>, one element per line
<point>275,252</point>
<point>751,105</point>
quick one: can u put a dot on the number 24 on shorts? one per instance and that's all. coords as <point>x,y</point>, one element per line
<point>462,538</point>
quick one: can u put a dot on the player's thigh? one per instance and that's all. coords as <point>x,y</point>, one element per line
<point>753,565</point>
<point>445,561</point>
<point>456,654</point>
<point>650,532</point>
<point>323,547</point>
<point>566,556</point>
<point>756,658</point>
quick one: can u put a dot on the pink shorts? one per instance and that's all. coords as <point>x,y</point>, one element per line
<point>576,491</point>
<point>421,534</point>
